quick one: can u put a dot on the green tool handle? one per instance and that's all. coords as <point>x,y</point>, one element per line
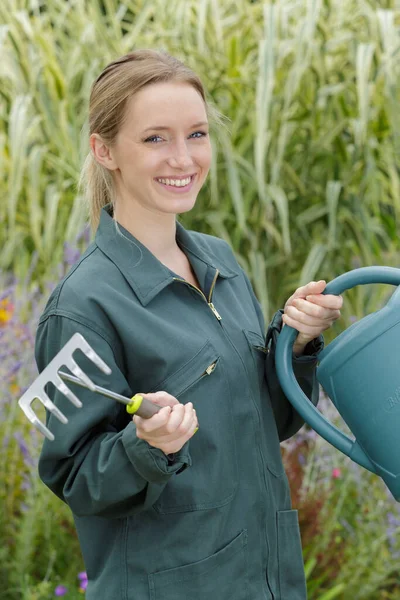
<point>137,405</point>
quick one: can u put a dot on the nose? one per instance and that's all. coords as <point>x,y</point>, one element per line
<point>180,156</point>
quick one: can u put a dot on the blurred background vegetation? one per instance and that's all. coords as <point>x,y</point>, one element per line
<point>304,185</point>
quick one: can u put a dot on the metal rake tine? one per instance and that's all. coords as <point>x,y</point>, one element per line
<point>79,341</point>
<point>77,371</point>
<point>37,423</point>
<point>51,407</point>
<point>37,392</point>
<point>64,389</point>
<point>50,374</point>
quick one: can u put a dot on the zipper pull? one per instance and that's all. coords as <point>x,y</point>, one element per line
<point>216,313</point>
<point>211,368</point>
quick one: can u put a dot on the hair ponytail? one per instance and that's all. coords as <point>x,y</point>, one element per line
<point>96,184</point>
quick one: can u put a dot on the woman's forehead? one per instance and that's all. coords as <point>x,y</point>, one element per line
<point>156,104</point>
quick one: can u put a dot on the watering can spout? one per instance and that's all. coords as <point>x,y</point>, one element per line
<point>360,373</point>
<point>358,455</point>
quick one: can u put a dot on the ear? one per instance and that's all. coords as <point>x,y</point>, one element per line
<point>102,153</point>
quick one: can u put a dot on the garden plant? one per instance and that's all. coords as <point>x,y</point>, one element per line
<point>305,184</point>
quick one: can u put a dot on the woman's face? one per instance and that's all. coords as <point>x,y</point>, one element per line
<point>162,153</point>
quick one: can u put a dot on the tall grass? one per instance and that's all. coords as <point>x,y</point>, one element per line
<point>305,185</point>
<point>350,524</point>
<point>349,521</point>
<point>38,543</point>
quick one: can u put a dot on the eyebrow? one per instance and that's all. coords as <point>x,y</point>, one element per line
<point>165,128</point>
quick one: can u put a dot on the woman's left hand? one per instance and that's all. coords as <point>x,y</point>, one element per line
<point>311,312</point>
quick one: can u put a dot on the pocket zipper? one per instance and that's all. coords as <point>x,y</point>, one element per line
<point>262,348</point>
<point>210,369</point>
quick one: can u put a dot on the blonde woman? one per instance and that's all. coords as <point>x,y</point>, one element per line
<point>194,502</point>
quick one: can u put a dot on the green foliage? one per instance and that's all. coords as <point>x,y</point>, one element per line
<point>350,524</point>
<point>38,543</point>
<point>306,183</point>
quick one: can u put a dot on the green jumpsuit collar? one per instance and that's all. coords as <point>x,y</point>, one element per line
<point>146,275</point>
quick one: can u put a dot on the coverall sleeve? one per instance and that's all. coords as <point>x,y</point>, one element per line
<point>287,419</point>
<point>97,464</point>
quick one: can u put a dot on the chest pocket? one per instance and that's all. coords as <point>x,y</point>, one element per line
<point>259,352</point>
<point>211,480</point>
<point>270,439</point>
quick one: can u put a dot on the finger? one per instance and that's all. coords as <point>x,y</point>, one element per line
<point>308,330</point>
<point>314,287</point>
<point>157,421</point>
<point>189,418</point>
<point>174,445</point>
<point>311,309</point>
<point>176,418</point>
<point>327,300</point>
<point>176,426</point>
<point>161,398</point>
<point>311,320</point>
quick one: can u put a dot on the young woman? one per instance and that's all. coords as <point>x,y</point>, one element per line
<point>163,511</point>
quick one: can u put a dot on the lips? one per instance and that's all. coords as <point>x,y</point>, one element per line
<point>176,177</point>
<point>175,188</point>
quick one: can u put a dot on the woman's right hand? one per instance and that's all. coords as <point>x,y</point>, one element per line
<point>171,427</point>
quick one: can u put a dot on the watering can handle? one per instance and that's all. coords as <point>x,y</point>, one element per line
<point>287,379</point>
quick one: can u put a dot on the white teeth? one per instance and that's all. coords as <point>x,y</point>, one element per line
<point>176,182</point>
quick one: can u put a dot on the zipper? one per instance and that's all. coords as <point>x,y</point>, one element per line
<point>216,313</point>
<point>263,465</point>
<point>262,461</point>
<point>210,369</point>
<point>262,348</point>
<point>210,304</point>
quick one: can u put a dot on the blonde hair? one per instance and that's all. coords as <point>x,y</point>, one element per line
<point>117,83</point>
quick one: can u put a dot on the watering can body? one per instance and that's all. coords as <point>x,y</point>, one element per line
<point>360,372</point>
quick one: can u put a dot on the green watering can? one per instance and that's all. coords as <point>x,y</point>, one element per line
<point>360,372</point>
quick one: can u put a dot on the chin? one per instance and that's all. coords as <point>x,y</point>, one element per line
<point>183,205</point>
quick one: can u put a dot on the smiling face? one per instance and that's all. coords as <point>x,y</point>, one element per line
<point>162,153</point>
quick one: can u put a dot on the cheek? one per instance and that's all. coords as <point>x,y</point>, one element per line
<point>203,156</point>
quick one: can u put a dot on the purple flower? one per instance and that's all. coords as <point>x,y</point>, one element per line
<point>8,294</point>
<point>71,255</point>
<point>28,458</point>
<point>84,235</point>
<point>392,529</point>
<point>83,581</point>
<point>301,459</point>
<point>14,369</point>
<point>26,484</point>
<point>60,590</point>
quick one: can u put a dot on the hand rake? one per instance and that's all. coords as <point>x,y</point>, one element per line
<point>135,405</point>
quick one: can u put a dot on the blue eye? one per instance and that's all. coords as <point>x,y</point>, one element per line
<point>202,133</point>
<point>153,138</point>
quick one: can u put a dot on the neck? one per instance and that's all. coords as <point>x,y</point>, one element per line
<point>156,232</point>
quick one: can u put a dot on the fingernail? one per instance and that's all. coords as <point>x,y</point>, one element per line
<point>196,430</point>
